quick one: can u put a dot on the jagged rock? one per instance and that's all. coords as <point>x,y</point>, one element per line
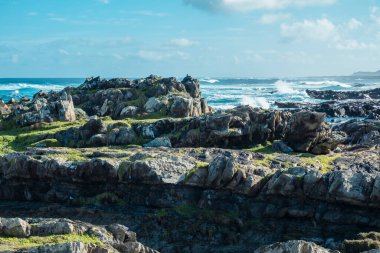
<point>122,136</point>
<point>292,247</point>
<point>65,108</point>
<point>341,95</point>
<point>182,107</point>
<point>361,132</point>
<point>98,140</point>
<point>109,236</point>
<point>159,142</point>
<point>53,227</point>
<point>342,109</point>
<point>153,105</point>
<point>121,233</point>
<point>192,86</point>
<point>15,227</point>
<point>281,147</point>
<point>307,132</point>
<point>129,111</point>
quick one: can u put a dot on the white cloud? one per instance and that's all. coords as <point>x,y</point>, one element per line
<point>155,55</point>
<point>182,42</point>
<point>323,30</point>
<point>117,56</point>
<point>315,30</point>
<point>354,24</point>
<point>354,45</point>
<point>272,18</point>
<point>63,52</point>
<point>32,14</point>
<point>250,5</point>
<point>151,13</point>
<point>104,1</point>
<point>375,14</point>
<point>14,58</point>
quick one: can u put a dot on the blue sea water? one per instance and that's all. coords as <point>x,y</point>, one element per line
<point>221,93</point>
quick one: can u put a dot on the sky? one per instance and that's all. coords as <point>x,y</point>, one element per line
<point>204,38</point>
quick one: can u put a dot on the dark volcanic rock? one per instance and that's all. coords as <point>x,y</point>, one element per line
<point>342,95</point>
<point>362,108</point>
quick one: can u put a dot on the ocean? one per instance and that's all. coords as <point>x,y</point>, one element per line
<point>221,93</point>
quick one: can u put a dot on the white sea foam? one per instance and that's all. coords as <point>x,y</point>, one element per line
<point>255,102</point>
<point>327,83</point>
<point>19,86</point>
<point>209,80</point>
<point>283,87</point>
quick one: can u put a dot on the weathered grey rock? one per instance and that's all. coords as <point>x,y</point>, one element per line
<point>121,233</point>
<point>122,136</point>
<point>292,247</point>
<point>181,107</point>
<point>65,106</point>
<point>281,147</point>
<point>159,142</point>
<point>98,140</point>
<point>153,105</point>
<point>129,111</point>
<point>14,227</point>
<point>349,187</point>
<point>69,247</point>
<point>53,227</point>
<point>307,132</point>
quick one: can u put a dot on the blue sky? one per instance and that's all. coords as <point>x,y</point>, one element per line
<point>205,38</point>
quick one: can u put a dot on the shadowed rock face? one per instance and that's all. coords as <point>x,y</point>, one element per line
<point>235,198</point>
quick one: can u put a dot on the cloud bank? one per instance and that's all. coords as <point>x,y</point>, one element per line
<point>251,5</point>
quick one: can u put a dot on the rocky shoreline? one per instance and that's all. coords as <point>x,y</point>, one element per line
<point>152,156</point>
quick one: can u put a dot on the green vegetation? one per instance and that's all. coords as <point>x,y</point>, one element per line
<point>11,243</point>
<point>198,165</point>
<point>265,148</point>
<point>323,161</point>
<point>18,139</point>
<point>70,154</point>
<point>365,242</point>
<point>47,143</point>
<point>266,161</point>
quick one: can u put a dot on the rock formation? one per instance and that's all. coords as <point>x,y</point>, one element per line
<point>82,168</point>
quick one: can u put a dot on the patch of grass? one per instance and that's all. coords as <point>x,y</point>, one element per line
<point>265,148</point>
<point>70,154</point>
<point>198,165</point>
<point>47,143</point>
<point>11,243</point>
<point>18,139</point>
<point>322,161</point>
<point>266,161</point>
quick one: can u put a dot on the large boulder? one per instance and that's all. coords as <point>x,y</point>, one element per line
<point>308,132</point>
<point>14,227</point>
